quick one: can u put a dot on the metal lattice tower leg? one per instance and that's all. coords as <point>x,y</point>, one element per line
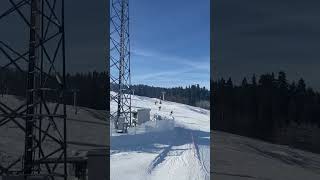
<point>120,79</point>
<point>42,116</point>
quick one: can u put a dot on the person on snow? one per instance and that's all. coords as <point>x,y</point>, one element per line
<point>159,108</point>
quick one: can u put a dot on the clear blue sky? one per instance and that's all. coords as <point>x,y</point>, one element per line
<point>170,42</point>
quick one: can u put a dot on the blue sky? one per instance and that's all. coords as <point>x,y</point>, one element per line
<point>170,42</point>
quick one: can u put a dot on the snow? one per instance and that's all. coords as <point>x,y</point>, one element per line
<point>177,148</point>
<point>237,158</point>
<point>172,149</point>
<point>87,130</point>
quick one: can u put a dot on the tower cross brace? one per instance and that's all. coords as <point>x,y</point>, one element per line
<point>41,117</point>
<point>120,75</point>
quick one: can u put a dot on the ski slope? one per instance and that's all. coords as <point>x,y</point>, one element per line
<point>87,130</point>
<point>240,158</point>
<point>177,148</point>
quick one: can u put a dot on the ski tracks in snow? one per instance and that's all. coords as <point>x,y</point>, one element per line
<point>176,159</point>
<point>199,157</point>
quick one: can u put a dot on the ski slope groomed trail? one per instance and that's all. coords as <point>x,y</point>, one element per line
<point>177,148</point>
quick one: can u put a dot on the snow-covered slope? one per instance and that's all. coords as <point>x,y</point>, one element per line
<point>87,130</point>
<point>240,158</point>
<point>169,149</point>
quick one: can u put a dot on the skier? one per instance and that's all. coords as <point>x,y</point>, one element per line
<point>159,108</point>
<point>171,113</point>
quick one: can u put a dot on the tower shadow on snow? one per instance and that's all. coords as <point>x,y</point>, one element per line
<point>153,142</point>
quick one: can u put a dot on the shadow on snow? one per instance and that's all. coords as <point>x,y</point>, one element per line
<point>155,141</point>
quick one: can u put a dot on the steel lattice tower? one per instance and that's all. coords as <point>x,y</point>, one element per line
<point>120,79</point>
<point>41,118</point>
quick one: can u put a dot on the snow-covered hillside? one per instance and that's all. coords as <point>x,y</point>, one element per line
<point>241,158</point>
<point>87,130</point>
<point>169,149</point>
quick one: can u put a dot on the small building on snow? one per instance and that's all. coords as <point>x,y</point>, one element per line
<point>142,115</point>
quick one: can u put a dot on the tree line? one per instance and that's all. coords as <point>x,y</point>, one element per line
<point>193,95</point>
<point>264,108</point>
<point>91,87</point>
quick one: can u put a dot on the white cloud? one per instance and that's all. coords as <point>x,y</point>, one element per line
<point>185,71</point>
<point>200,63</point>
